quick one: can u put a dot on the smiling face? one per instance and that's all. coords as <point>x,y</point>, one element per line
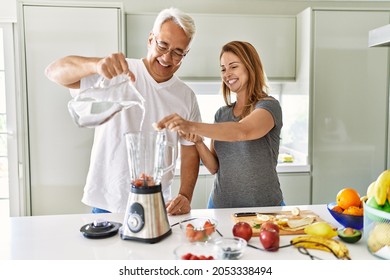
<point>162,66</point>
<point>233,73</point>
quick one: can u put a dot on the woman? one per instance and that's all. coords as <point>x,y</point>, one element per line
<point>245,136</point>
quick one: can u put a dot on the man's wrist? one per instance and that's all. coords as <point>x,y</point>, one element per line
<point>186,196</point>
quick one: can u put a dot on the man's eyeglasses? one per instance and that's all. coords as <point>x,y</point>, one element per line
<point>163,48</point>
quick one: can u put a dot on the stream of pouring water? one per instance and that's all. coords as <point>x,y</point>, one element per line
<point>140,104</point>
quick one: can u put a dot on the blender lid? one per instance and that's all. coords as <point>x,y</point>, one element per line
<point>100,229</point>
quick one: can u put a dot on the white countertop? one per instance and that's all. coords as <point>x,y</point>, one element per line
<point>58,237</point>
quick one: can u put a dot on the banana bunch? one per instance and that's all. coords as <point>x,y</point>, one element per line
<point>380,188</point>
<point>337,248</point>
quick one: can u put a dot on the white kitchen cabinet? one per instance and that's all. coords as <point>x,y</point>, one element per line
<point>202,190</point>
<point>57,151</point>
<point>349,102</point>
<point>274,37</point>
<point>296,188</point>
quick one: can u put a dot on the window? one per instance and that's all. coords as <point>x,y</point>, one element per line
<point>4,191</point>
<point>295,131</point>
<point>295,107</point>
<point>9,187</point>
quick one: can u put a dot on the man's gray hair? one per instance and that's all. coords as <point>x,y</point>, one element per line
<point>180,18</point>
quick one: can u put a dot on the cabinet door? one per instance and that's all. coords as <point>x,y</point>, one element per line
<point>350,102</point>
<point>274,37</point>
<point>295,188</point>
<point>59,151</point>
<point>201,193</point>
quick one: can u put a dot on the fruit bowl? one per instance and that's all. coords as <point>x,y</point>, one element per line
<point>355,222</point>
<point>233,248</point>
<point>198,251</point>
<point>200,229</point>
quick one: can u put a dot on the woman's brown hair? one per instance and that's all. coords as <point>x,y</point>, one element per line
<point>257,85</point>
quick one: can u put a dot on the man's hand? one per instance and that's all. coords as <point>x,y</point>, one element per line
<point>178,206</point>
<point>114,65</point>
<point>69,70</point>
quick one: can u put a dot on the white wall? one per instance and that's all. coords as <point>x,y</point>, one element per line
<point>8,8</point>
<point>7,11</point>
<point>275,7</point>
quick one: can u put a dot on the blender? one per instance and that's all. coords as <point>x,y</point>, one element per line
<point>150,156</point>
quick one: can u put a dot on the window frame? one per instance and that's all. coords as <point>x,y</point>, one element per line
<point>278,89</point>
<point>17,205</point>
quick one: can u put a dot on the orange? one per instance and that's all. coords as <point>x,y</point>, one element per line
<point>353,210</point>
<point>337,208</point>
<point>348,197</point>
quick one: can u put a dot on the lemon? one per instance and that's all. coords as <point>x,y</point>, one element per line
<point>322,229</point>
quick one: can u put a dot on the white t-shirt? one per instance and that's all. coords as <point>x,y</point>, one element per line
<point>108,181</point>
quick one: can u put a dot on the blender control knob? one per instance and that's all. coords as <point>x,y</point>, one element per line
<point>135,222</point>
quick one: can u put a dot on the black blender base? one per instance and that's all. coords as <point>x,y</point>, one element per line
<point>100,229</point>
<point>146,240</point>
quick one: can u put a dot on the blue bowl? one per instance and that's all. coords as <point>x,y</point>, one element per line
<point>346,220</point>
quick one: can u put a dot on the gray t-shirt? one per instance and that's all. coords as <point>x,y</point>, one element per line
<point>247,174</point>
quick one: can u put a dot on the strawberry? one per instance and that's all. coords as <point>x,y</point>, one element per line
<point>186,256</point>
<point>209,228</point>
<point>190,232</point>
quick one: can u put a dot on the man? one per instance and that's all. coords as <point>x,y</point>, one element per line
<point>107,184</point>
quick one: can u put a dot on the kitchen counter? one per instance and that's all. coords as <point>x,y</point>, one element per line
<point>58,237</point>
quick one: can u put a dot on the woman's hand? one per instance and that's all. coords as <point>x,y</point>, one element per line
<point>192,137</point>
<point>175,123</point>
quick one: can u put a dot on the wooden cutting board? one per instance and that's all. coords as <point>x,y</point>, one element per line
<point>252,220</point>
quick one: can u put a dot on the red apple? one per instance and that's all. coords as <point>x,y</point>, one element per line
<point>243,230</point>
<point>270,239</point>
<point>267,225</point>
